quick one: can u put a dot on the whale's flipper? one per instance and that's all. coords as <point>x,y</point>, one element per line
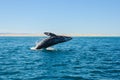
<point>49,34</point>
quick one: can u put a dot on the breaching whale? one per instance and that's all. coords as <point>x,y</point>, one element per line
<point>51,40</point>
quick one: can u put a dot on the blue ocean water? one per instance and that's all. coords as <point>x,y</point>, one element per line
<point>82,58</point>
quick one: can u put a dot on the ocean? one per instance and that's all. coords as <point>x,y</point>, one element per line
<point>82,58</point>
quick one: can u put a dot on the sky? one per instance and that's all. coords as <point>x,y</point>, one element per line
<point>60,16</point>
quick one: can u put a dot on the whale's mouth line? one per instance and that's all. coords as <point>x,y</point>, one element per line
<point>52,40</point>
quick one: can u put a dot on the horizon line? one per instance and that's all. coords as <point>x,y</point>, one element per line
<point>74,35</point>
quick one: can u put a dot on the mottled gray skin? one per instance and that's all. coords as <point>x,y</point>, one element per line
<point>52,40</point>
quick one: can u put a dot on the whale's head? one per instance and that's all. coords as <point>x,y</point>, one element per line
<point>66,38</point>
<point>63,38</point>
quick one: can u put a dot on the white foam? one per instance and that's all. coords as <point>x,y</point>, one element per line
<point>50,48</point>
<point>32,48</point>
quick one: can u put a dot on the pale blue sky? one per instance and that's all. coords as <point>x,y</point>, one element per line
<point>60,16</point>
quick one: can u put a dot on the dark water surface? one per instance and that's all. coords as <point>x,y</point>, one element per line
<point>82,58</point>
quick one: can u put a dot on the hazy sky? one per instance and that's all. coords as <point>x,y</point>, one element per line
<point>60,16</point>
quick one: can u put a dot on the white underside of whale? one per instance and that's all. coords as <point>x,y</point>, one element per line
<point>49,48</point>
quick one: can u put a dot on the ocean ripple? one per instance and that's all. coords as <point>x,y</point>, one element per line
<point>83,58</point>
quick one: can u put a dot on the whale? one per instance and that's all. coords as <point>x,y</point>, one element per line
<point>51,40</point>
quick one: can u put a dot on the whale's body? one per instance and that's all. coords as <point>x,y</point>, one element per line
<point>52,40</point>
